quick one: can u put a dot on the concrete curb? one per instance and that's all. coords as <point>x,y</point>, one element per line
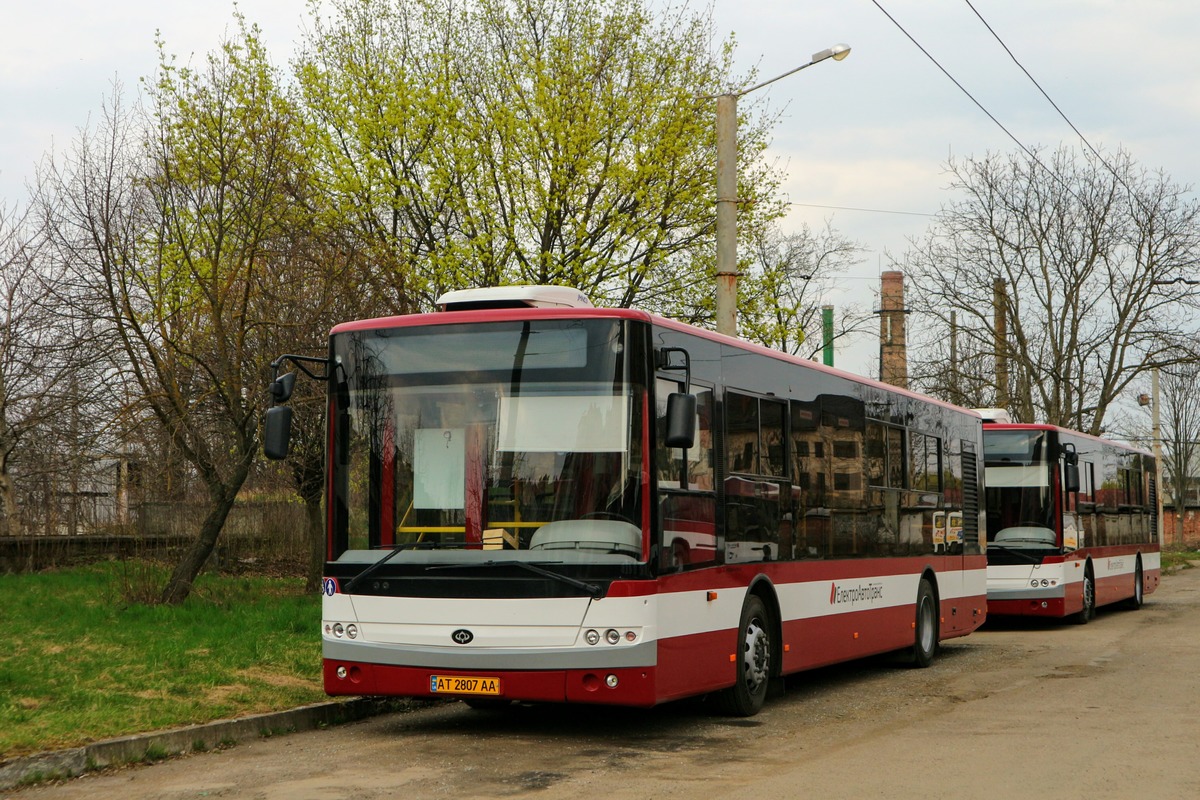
<point>194,738</point>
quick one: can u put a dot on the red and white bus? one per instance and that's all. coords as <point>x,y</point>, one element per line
<point>534,499</point>
<point>1072,522</point>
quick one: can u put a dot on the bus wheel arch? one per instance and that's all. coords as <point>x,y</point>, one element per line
<point>926,625</point>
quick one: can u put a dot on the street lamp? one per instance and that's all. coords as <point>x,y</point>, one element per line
<point>727,190</point>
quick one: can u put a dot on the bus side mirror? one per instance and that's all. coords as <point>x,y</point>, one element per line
<point>681,420</point>
<point>277,432</point>
<point>1071,477</point>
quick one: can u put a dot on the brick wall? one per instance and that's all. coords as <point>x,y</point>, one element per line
<point>1191,526</point>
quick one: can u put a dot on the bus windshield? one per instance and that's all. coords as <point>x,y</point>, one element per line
<point>456,442</point>
<point>1020,503</point>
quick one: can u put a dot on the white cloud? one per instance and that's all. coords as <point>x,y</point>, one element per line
<point>873,131</point>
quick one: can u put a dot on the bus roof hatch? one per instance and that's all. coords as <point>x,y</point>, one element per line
<point>513,297</point>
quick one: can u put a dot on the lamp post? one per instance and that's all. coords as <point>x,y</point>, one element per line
<point>727,191</point>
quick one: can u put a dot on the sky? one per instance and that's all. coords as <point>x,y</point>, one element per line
<point>861,143</point>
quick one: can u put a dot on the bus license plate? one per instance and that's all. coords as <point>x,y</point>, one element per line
<point>463,684</point>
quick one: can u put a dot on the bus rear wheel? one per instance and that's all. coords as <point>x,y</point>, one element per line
<point>747,695</point>
<point>926,628</point>
<point>1139,588</point>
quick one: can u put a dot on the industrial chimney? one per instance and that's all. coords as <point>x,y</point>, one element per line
<point>893,344</point>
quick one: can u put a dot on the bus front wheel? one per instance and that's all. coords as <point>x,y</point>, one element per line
<point>747,695</point>
<point>1089,597</point>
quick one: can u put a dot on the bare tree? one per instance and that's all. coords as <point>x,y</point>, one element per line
<point>1062,274</point>
<point>783,289</point>
<point>45,381</point>
<point>326,276</point>
<point>170,219</point>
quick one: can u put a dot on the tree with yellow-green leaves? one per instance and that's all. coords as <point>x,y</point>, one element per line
<point>527,141</point>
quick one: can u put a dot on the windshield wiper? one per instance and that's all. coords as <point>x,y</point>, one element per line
<point>395,549</point>
<point>596,592</point>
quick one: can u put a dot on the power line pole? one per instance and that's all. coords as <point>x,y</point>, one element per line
<point>1000,317</point>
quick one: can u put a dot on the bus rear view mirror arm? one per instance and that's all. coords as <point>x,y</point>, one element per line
<point>277,424</point>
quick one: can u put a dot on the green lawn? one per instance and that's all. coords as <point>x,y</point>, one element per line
<point>82,663</point>
<point>1179,558</point>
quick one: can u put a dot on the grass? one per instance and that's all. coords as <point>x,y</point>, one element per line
<point>81,663</point>
<point>1179,558</point>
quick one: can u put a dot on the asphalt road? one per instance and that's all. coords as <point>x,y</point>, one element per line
<point>1040,711</point>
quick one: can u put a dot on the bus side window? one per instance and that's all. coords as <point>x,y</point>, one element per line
<point>758,513</point>
<point>696,473</point>
<point>687,502</point>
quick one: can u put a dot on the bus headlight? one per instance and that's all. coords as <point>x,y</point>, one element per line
<point>592,637</point>
<point>612,636</point>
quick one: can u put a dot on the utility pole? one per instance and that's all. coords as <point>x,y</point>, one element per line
<point>1000,317</point>
<point>1156,432</point>
<point>954,393</point>
<point>727,274</point>
<point>727,199</point>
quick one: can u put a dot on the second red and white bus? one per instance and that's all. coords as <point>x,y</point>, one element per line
<point>534,499</point>
<point>1072,522</point>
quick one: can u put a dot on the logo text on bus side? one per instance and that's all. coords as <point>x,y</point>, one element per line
<point>860,593</point>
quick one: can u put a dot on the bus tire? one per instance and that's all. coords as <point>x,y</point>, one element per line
<point>1139,588</point>
<point>1085,614</point>
<point>754,653</point>
<point>925,641</point>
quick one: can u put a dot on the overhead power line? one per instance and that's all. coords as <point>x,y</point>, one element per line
<point>1032,155</point>
<point>865,210</point>
<point>1054,105</point>
<point>956,82</point>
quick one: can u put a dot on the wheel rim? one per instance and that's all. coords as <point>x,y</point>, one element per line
<point>925,625</point>
<point>1137,586</point>
<point>1089,594</point>
<point>757,656</point>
